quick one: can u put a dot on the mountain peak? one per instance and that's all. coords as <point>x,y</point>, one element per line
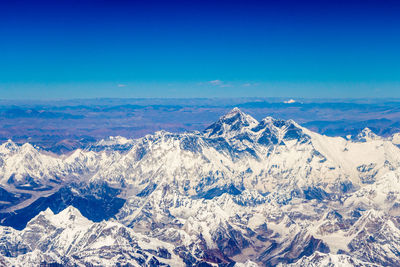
<point>231,124</point>
<point>113,140</point>
<point>27,148</point>
<point>396,139</point>
<point>113,143</point>
<point>70,215</point>
<point>8,146</point>
<point>237,114</point>
<point>273,131</point>
<point>367,135</point>
<point>234,111</point>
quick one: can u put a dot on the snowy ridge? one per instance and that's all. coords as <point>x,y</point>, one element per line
<point>116,143</point>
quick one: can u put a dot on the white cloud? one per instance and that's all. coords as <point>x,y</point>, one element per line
<point>248,84</point>
<point>290,101</point>
<point>220,83</point>
<point>121,85</point>
<point>216,82</point>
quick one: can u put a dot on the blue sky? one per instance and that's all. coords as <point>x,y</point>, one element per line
<point>69,49</point>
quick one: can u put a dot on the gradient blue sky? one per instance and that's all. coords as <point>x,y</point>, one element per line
<point>70,49</point>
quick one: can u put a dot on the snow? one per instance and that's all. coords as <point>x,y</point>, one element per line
<point>328,260</point>
<point>248,263</point>
<point>290,101</point>
<point>396,139</point>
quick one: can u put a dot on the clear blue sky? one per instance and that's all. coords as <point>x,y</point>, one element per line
<point>67,49</point>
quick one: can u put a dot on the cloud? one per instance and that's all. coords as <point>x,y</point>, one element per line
<point>220,83</point>
<point>248,84</point>
<point>121,85</point>
<point>216,82</point>
<point>290,101</point>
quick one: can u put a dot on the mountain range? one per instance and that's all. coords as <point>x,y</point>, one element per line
<point>241,192</point>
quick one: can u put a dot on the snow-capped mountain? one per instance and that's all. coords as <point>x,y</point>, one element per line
<point>269,192</point>
<point>70,239</point>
